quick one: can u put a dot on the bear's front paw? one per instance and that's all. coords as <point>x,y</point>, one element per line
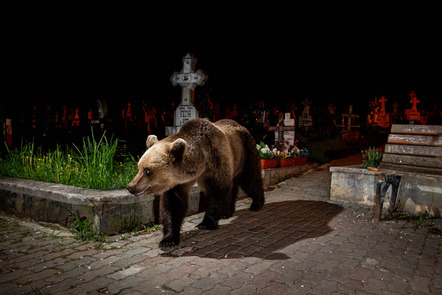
<point>207,224</point>
<point>169,243</point>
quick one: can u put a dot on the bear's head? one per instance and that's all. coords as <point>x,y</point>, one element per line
<point>160,168</point>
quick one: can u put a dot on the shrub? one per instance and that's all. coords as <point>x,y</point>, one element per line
<point>371,157</point>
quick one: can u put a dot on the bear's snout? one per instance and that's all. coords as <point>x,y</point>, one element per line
<point>130,189</point>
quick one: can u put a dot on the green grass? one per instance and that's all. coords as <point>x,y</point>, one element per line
<point>95,164</point>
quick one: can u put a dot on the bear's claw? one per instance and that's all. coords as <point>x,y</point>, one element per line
<point>168,243</point>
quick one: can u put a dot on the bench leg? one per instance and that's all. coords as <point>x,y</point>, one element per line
<point>379,201</point>
<point>394,189</point>
<point>381,190</point>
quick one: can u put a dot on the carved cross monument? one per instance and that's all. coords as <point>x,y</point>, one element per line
<point>284,130</point>
<point>382,119</point>
<point>305,120</point>
<point>413,114</point>
<point>350,116</point>
<point>188,79</point>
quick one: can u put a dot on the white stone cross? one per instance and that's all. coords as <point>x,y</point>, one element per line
<point>188,79</point>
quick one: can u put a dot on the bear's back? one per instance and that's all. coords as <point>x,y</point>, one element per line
<point>222,137</point>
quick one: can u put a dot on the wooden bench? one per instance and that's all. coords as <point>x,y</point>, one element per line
<point>412,165</point>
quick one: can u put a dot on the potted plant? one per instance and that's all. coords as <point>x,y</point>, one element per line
<point>301,156</point>
<point>371,158</point>
<point>268,159</point>
<point>287,156</point>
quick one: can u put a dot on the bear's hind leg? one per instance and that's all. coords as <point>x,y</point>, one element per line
<point>216,206</point>
<point>231,200</point>
<point>173,209</point>
<point>252,184</point>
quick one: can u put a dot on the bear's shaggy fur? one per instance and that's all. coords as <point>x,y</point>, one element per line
<point>220,157</point>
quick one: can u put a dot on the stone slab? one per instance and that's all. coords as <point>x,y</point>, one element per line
<point>417,194</point>
<point>109,211</point>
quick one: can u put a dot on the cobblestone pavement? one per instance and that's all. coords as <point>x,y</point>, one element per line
<point>298,244</point>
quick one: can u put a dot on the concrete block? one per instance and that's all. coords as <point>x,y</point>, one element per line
<point>417,194</point>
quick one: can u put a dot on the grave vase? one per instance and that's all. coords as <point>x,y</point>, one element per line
<point>268,163</point>
<point>300,161</point>
<point>287,162</point>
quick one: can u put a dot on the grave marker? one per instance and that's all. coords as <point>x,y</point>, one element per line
<point>413,114</point>
<point>382,119</point>
<point>285,129</point>
<point>350,116</point>
<point>188,79</point>
<point>305,120</point>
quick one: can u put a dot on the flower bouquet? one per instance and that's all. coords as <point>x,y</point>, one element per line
<point>290,155</point>
<point>287,156</point>
<point>268,159</point>
<point>301,156</point>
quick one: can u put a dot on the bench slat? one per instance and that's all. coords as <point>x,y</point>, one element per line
<point>431,162</point>
<point>417,129</point>
<point>415,139</point>
<point>418,150</point>
<point>409,170</point>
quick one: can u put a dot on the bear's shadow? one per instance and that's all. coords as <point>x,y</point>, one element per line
<point>260,234</point>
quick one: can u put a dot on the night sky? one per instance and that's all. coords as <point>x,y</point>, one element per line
<point>329,63</point>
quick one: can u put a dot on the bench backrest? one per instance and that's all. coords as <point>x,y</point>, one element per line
<point>414,149</point>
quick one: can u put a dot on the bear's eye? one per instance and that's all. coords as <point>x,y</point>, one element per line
<point>147,172</point>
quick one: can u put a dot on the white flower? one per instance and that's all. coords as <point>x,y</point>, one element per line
<point>266,150</point>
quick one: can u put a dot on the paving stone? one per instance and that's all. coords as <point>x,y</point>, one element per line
<point>273,288</point>
<point>157,284</point>
<point>208,282</point>
<point>116,286</point>
<point>245,290</point>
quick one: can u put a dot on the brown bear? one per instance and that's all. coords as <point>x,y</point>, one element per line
<point>220,157</point>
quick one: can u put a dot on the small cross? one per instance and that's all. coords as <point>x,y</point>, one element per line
<point>414,101</point>
<point>383,100</point>
<point>395,105</point>
<point>332,109</point>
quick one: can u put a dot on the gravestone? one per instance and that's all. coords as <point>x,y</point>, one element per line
<point>285,130</point>
<point>395,116</point>
<point>350,116</point>
<point>349,135</point>
<point>374,110</point>
<point>188,79</point>
<point>289,132</point>
<point>331,109</point>
<point>395,111</point>
<point>305,120</point>
<point>382,119</point>
<point>413,114</point>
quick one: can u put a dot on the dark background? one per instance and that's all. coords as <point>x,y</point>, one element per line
<point>330,56</point>
<point>276,54</point>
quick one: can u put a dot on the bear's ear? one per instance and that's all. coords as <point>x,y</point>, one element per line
<point>178,149</point>
<point>151,140</point>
